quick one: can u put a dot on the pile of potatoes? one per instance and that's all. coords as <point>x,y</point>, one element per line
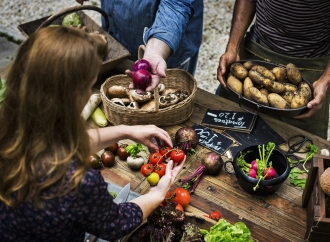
<point>278,88</point>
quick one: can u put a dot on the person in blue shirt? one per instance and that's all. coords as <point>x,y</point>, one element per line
<point>170,29</point>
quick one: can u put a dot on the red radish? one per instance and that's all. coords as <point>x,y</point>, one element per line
<point>269,173</point>
<point>253,173</point>
<point>254,165</point>
<point>141,79</point>
<point>141,64</point>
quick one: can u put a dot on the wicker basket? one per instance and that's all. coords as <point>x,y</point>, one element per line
<point>117,53</point>
<point>175,114</point>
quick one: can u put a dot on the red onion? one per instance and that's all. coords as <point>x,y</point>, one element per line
<point>141,79</point>
<point>141,64</point>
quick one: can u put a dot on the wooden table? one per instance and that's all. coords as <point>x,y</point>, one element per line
<point>278,217</point>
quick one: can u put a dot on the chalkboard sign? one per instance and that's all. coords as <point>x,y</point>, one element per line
<point>212,140</point>
<point>261,134</point>
<point>238,121</point>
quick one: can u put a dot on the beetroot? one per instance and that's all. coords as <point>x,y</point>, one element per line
<point>186,139</point>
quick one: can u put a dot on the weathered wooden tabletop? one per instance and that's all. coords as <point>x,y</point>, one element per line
<point>278,217</point>
<point>275,218</point>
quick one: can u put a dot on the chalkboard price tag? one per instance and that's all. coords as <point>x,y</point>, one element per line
<point>212,139</point>
<point>238,121</point>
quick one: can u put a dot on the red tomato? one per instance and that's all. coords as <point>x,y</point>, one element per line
<point>165,151</point>
<point>179,207</point>
<point>121,152</point>
<point>146,169</point>
<point>167,197</point>
<point>156,158</point>
<point>160,169</point>
<point>177,155</point>
<point>181,196</point>
<point>215,215</point>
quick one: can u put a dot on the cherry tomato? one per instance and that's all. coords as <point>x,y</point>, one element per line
<point>94,161</point>
<point>179,207</point>
<point>121,152</point>
<point>165,151</point>
<point>160,169</point>
<point>153,179</point>
<point>146,169</point>
<point>181,196</point>
<point>167,197</point>
<point>177,155</point>
<point>156,158</point>
<point>215,215</point>
<point>113,148</point>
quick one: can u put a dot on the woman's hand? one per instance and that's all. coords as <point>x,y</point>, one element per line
<point>168,179</point>
<point>148,136</point>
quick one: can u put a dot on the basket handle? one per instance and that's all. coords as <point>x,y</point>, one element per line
<point>141,50</point>
<point>74,9</point>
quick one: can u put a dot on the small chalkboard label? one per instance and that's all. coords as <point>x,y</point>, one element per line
<point>239,121</point>
<point>212,140</point>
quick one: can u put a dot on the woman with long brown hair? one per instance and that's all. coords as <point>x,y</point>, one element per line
<point>47,191</point>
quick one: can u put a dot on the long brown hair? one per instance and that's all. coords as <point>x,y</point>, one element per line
<point>41,131</point>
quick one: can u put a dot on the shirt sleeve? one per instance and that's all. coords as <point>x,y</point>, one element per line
<point>171,21</point>
<point>95,211</point>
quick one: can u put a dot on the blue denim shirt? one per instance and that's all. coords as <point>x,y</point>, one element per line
<point>178,23</point>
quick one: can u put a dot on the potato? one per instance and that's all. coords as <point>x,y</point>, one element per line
<point>257,96</point>
<point>298,101</point>
<point>247,83</point>
<point>256,77</point>
<point>305,90</point>
<point>264,71</point>
<point>264,91</point>
<point>273,86</point>
<point>279,73</point>
<point>235,84</point>
<point>238,70</point>
<point>293,74</point>
<point>287,96</point>
<point>288,87</point>
<point>276,101</point>
<point>248,65</point>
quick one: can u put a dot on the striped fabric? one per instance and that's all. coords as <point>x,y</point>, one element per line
<point>299,28</point>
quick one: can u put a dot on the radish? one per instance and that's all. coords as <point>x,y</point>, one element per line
<point>254,165</point>
<point>253,173</point>
<point>269,173</point>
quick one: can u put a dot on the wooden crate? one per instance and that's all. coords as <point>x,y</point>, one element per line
<point>318,225</point>
<point>116,54</point>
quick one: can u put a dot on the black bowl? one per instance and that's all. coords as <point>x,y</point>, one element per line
<point>266,187</point>
<point>249,105</point>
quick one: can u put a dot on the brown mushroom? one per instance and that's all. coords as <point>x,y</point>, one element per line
<point>325,181</point>
<point>169,90</point>
<point>126,101</point>
<point>133,105</point>
<point>168,100</point>
<point>118,101</point>
<point>117,92</point>
<point>149,106</point>
<point>140,98</point>
<point>161,87</point>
